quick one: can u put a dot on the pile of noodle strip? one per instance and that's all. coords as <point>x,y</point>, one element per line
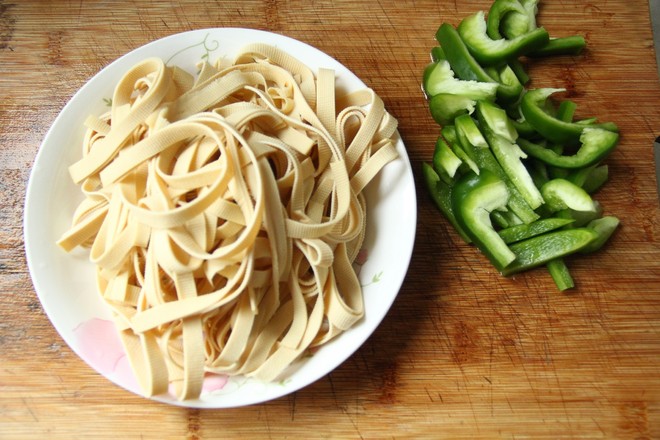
<point>223,212</point>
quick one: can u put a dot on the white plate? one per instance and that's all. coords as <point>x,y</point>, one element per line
<point>72,303</point>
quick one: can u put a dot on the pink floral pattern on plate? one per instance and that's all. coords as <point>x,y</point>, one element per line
<point>99,344</point>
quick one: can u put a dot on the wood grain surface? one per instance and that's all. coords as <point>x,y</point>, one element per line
<point>463,353</point>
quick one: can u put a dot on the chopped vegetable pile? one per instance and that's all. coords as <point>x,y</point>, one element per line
<point>513,170</point>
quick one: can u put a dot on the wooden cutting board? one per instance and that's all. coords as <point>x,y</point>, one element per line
<point>463,353</point>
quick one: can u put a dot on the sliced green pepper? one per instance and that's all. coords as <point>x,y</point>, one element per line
<point>458,55</point>
<point>437,54</point>
<point>573,45</point>
<point>445,107</point>
<point>581,218</point>
<point>441,194</point>
<point>473,31</point>
<point>590,178</point>
<point>468,68</point>
<point>539,250</point>
<point>513,18</point>
<point>566,110</point>
<point>556,172</point>
<point>539,172</point>
<point>596,145</point>
<point>496,13</point>
<point>509,156</point>
<point>474,197</point>
<point>605,227</point>
<point>516,24</point>
<point>511,87</point>
<point>445,160</point>
<point>439,78</point>
<point>562,194</point>
<point>450,134</point>
<point>494,117</point>
<point>450,96</point>
<point>589,121</point>
<point>476,174</point>
<point>465,126</point>
<point>557,268</point>
<point>517,233</point>
<point>499,133</point>
<point>484,159</point>
<point>519,70</point>
<point>532,109</point>
<point>560,274</point>
<point>506,219</point>
<point>524,128</point>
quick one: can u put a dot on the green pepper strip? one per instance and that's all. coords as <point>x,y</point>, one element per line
<point>532,109</point>
<point>539,172</point>
<point>562,194</point>
<point>450,134</point>
<point>524,128</point>
<point>590,178</point>
<point>445,107</point>
<point>473,31</point>
<point>467,68</point>
<point>439,77</point>
<point>484,159</point>
<point>557,268</point>
<point>458,55</point>
<point>496,13</point>
<point>573,45</point>
<point>451,96</point>
<point>560,274</point>
<point>465,126</point>
<point>437,54</point>
<point>539,250</point>
<point>445,161</point>
<point>473,198</point>
<point>505,219</point>
<point>501,137</point>
<point>514,18</point>
<point>566,110</point>
<point>441,194</point>
<point>517,233</point>
<point>494,117</point>
<point>581,218</point>
<point>515,24</point>
<point>519,69</point>
<point>509,156</point>
<point>596,145</point>
<point>605,227</point>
